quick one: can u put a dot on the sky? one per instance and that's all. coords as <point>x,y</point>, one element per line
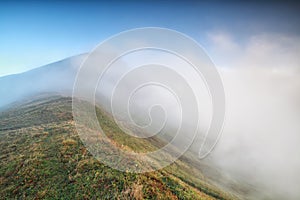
<point>36,33</point>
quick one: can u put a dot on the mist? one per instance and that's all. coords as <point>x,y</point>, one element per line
<point>260,141</point>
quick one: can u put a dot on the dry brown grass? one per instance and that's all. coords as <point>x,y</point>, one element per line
<point>69,142</point>
<point>137,191</point>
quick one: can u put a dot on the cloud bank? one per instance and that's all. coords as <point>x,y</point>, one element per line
<point>260,142</point>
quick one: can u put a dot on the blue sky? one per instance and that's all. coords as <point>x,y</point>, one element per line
<point>33,34</point>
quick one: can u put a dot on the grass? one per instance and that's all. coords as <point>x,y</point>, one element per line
<point>42,157</point>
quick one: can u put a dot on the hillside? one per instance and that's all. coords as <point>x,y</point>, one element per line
<point>57,77</point>
<point>42,157</point>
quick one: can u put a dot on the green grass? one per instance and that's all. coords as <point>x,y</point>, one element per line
<point>42,157</point>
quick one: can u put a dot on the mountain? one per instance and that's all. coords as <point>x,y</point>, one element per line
<point>56,77</point>
<point>42,157</point>
<point>36,123</point>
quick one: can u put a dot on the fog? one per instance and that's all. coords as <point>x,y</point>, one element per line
<point>260,141</point>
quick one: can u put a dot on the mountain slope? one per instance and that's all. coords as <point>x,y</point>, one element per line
<point>56,77</point>
<point>42,157</point>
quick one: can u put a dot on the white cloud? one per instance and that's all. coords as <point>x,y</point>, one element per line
<point>261,136</point>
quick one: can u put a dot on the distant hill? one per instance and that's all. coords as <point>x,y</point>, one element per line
<point>56,77</point>
<point>42,157</point>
